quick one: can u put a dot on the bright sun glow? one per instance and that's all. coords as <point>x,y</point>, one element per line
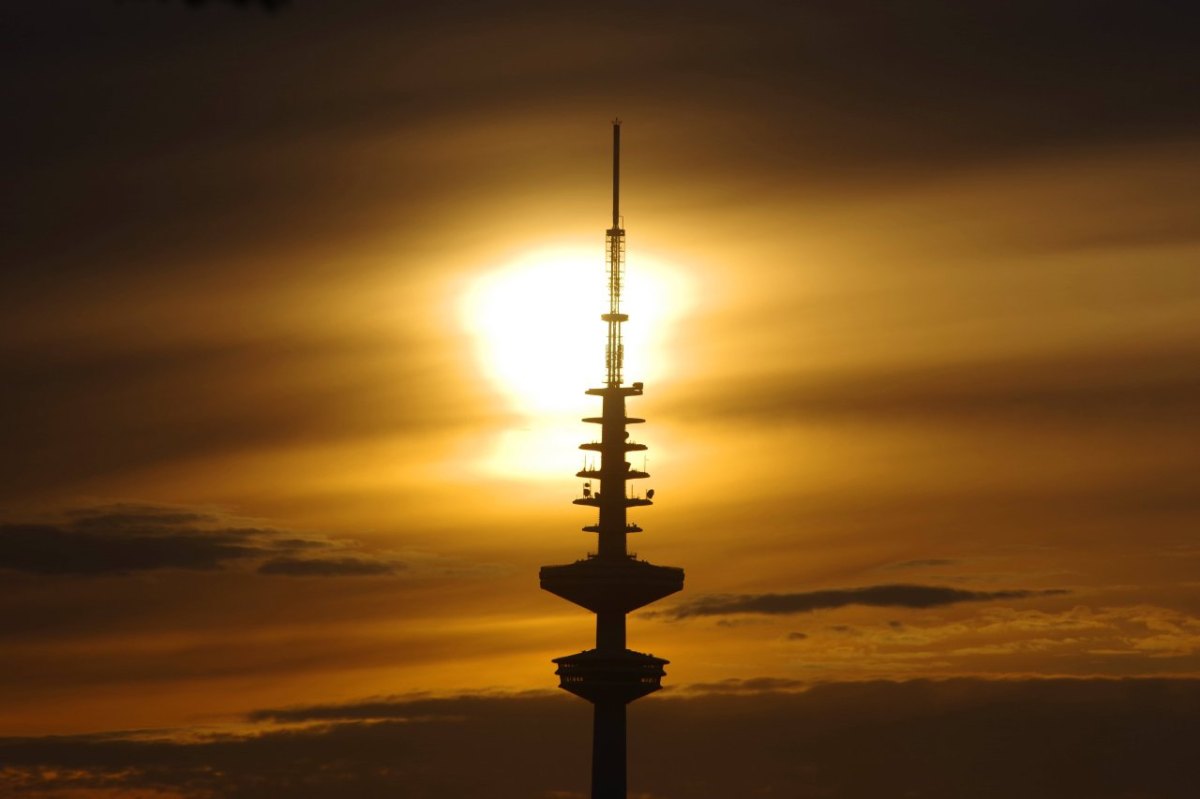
<point>539,338</point>
<point>537,324</point>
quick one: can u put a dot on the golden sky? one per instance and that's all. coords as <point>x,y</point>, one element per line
<point>299,308</point>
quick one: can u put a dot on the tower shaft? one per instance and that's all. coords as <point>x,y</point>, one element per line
<point>609,769</point>
<point>611,582</point>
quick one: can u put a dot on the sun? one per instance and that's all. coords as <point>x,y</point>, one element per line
<point>537,329</point>
<point>535,321</point>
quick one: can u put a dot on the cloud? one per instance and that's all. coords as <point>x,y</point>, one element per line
<point>947,82</point>
<point>752,685</point>
<point>125,539</point>
<point>890,596</point>
<point>90,546</point>
<point>1147,386</point>
<point>138,406</point>
<point>327,567</point>
<point>269,5</point>
<point>925,563</point>
<point>754,738</point>
<point>415,706</point>
<point>1003,639</point>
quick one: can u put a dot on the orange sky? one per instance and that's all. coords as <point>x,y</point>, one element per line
<point>920,308</point>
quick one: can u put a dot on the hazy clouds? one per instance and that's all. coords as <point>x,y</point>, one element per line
<point>936,739</point>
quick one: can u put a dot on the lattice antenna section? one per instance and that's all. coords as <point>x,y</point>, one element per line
<point>615,351</point>
<point>614,253</point>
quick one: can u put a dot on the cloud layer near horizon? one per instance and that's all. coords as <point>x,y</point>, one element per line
<point>942,740</point>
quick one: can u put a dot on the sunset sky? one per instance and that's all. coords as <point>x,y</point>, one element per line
<point>298,308</point>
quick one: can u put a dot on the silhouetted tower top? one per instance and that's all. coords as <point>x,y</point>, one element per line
<point>611,582</point>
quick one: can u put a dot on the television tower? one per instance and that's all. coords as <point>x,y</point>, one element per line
<point>612,581</point>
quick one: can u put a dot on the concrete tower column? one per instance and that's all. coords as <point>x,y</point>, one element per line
<point>608,749</point>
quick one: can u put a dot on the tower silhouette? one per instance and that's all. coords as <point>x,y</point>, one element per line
<point>611,582</point>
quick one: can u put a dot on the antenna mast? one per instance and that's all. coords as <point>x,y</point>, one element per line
<point>614,249</point>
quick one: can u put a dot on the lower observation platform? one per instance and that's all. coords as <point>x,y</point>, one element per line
<point>598,676</point>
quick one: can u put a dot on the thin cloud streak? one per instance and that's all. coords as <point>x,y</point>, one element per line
<point>883,596</point>
<point>328,567</point>
<point>126,539</point>
<point>1153,386</point>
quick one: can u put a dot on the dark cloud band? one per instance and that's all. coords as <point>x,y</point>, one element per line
<point>886,596</point>
<point>126,539</point>
<point>730,740</point>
